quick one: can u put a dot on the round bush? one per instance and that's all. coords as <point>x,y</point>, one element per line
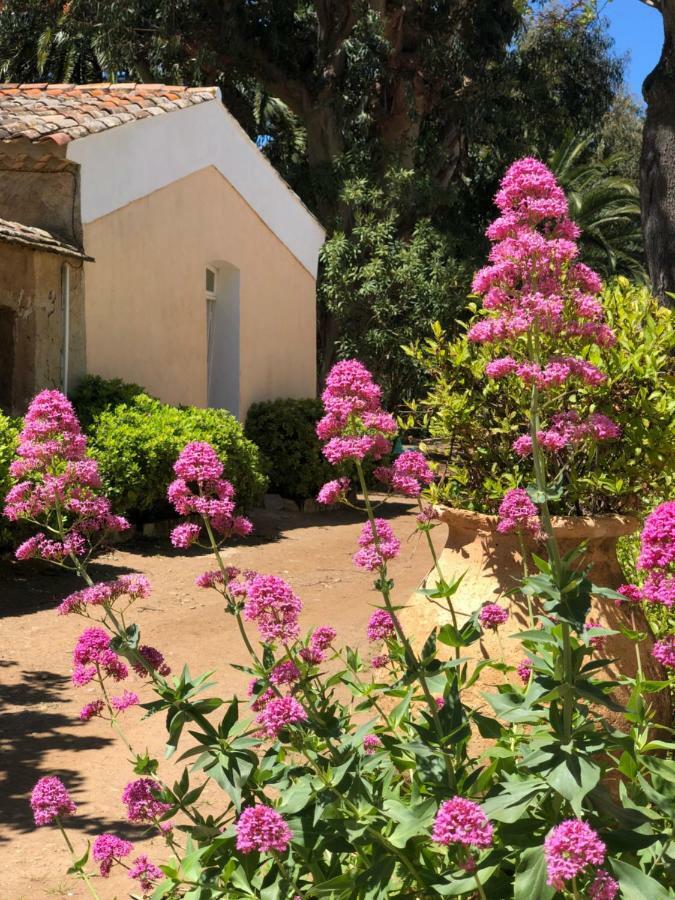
<point>94,395</point>
<point>136,445</point>
<point>285,432</point>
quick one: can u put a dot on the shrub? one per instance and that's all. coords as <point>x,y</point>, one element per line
<point>284,430</point>
<point>9,430</point>
<point>471,422</point>
<point>136,444</point>
<point>95,395</point>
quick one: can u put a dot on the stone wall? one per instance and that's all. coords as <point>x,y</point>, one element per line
<point>32,325</point>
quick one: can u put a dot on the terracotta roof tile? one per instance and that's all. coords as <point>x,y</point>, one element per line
<point>37,239</point>
<point>64,112</point>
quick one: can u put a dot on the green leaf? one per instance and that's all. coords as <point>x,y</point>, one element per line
<point>530,880</point>
<point>573,778</point>
<point>636,885</point>
<point>411,820</point>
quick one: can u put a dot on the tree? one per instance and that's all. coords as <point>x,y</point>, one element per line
<point>657,166</point>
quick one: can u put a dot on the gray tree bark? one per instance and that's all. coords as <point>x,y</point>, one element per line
<point>657,164</point>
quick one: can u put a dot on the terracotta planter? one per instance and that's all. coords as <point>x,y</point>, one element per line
<point>493,564</point>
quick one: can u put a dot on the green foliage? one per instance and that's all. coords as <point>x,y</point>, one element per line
<point>605,206</point>
<point>471,421</point>
<point>383,286</point>
<point>94,395</point>
<point>284,431</point>
<point>9,431</point>
<point>137,444</point>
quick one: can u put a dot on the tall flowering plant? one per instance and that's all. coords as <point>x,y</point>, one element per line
<point>352,775</point>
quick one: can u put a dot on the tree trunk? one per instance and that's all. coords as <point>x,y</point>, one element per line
<point>657,165</point>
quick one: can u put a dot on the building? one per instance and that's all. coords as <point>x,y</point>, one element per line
<point>144,236</point>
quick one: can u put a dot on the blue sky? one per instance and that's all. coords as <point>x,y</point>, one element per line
<point>637,30</point>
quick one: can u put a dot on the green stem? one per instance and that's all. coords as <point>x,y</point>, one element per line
<point>410,655</point>
<point>441,579</point>
<point>85,877</point>
<point>481,892</point>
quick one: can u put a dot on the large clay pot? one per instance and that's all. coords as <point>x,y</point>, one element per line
<point>492,563</point>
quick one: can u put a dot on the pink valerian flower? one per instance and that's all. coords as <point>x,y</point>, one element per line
<point>260,697</point>
<point>426,516</point>
<point>555,373</point>
<point>631,592</point>
<point>106,592</point>
<point>492,615</point>
<point>108,849</point>
<point>379,662</point>
<point>50,429</point>
<point>185,535</point>
<point>410,473</point>
<point>274,607</point>
<point>128,698</point>
<point>517,513</point>
<point>278,713</point>
<point>380,626</point>
<point>90,710</point>
<point>41,547</point>
<point>461,821</point>
<point>261,828</point>
<point>569,430</point>
<point>524,670</point>
<point>664,651</point>
<point>92,655</point>
<point>597,642</point>
<point>657,542</point>
<point>570,848</point>
<point>376,549</point>
<point>371,744</point>
<point>440,702</point>
<point>603,887</point>
<point>141,801</point>
<point>199,489</point>
<point>659,588</point>
<point>333,491</point>
<point>213,578</point>
<point>155,661</point>
<point>354,425</point>
<point>50,801</point>
<point>322,637</point>
<point>285,673</point>
<point>145,873</point>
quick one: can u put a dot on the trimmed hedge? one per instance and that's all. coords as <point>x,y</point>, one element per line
<point>9,432</point>
<point>95,395</point>
<point>137,443</point>
<point>285,432</point>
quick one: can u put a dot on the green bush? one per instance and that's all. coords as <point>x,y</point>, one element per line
<point>94,395</point>
<point>471,421</point>
<point>285,432</point>
<point>9,431</point>
<point>136,445</point>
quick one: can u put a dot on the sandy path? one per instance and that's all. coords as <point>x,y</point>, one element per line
<point>39,730</point>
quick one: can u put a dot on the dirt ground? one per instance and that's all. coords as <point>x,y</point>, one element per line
<point>40,733</point>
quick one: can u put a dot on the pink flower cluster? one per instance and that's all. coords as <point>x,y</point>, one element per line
<point>154,660</point>
<point>380,626</point>
<point>371,744</point>
<point>92,656</point>
<point>145,873</point>
<point>492,615</point>
<point>50,801</point>
<point>319,642</point>
<point>555,373</point>
<point>278,713</point>
<point>598,641</point>
<point>569,430</point>
<point>517,513</point>
<point>664,651</point>
<point>603,886</point>
<point>214,578</point>
<point>261,828</point>
<point>140,799</point>
<point>376,548</point>
<point>274,607</point>
<point>409,474</point>
<point>354,425</point>
<point>135,587</point>
<point>461,821</point>
<point>524,670</point>
<point>333,491</point>
<point>199,489</point>
<point>58,476</point>
<point>656,558</point>
<point>570,848</point>
<point>108,849</point>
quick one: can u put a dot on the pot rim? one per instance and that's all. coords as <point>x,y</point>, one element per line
<point>611,525</point>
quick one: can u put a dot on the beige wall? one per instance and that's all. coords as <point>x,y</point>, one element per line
<point>32,325</point>
<point>145,300</point>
